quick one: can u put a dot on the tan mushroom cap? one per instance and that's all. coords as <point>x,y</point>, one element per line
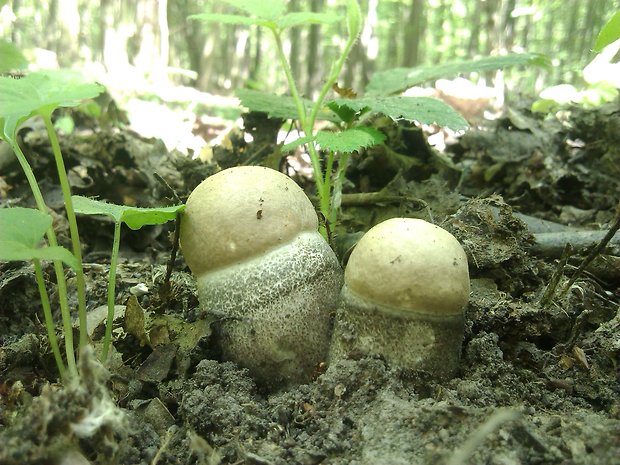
<point>240,213</point>
<point>410,265</point>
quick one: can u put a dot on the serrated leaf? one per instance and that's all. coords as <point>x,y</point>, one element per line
<point>610,33</point>
<point>398,79</point>
<point>11,57</point>
<point>39,92</point>
<point>345,113</point>
<point>350,140</point>
<point>266,9</point>
<point>278,106</point>
<point>229,19</point>
<point>133,217</point>
<point>306,17</point>
<point>424,110</point>
<point>21,231</point>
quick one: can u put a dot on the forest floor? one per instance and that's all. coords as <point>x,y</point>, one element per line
<point>539,381</point>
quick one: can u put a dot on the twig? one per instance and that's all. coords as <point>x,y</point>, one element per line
<point>175,239</point>
<point>555,278</point>
<point>596,251</point>
<point>467,449</point>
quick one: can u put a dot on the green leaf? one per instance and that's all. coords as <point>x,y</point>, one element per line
<point>277,106</point>
<point>291,145</point>
<point>133,217</point>
<point>11,58</point>
<point>350,140</point>
<point>229,19</point>
<point>24,225</point>
<point>40,92</point>
<point>354,18</point>
<point>425,110</point>
<point>398,79</point>
<point>306,17</point>
<point>346,114</point>
<point>610,33</point>
<point>21,231</point>
<point>265,9</point>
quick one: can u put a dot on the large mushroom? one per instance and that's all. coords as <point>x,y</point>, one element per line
<point>250,236</point>
<point>406,287</point>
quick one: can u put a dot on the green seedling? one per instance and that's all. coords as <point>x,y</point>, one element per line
<point>133,217</point>
<point>21,231</point>
<point>271,15</point>
<point>348,114</point>
<point>39,94</point>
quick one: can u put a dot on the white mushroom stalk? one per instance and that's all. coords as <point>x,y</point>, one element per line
<point>406,287</point>
<point>250,236</point>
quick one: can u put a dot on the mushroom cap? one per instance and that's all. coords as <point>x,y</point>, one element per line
<point>407,265</point>
<point>241,213</point>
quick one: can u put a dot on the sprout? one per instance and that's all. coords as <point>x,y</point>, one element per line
<point>406,286</point>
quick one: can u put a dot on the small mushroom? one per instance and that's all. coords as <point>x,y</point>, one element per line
<point>250,236</point>
<point>406,287</point>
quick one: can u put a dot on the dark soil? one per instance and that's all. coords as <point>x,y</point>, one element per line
<point>540,375</point>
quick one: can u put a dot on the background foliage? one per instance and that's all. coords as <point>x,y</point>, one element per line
<point>156,37</point>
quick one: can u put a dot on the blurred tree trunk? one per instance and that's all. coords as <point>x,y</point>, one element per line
<point>242,58</point>
<point>16,29</point>
<point>392,59</point>
<point>254,74</point>
<point>198,43</point>
<point>550,23</point>
<point>361,60</point>
<point>437,30</point>
<point>62,31</point>
<point>569,42</point>
<point>490,12</point>
<point>505,25</point>
<point>313,51</point>
<point>295,37</point>
<point>474,14</point>
<point>594,15</point>
<point>414,28</point>
<point>526,20</point>
<point>164,33</point>
<point>354,75</point>
<point>147,40</point>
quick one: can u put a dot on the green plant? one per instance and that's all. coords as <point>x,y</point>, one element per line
<point>133,217</point>
<point>349,114</point>
<point>21,230</point>
<point>38,95</point>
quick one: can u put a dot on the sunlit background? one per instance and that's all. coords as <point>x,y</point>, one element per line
<point>176,78</point>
